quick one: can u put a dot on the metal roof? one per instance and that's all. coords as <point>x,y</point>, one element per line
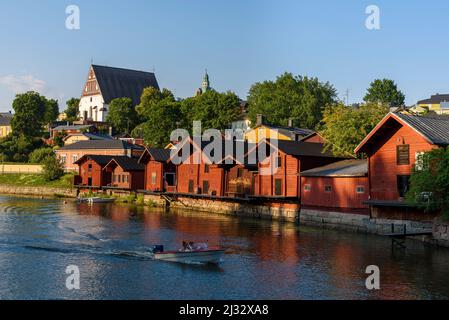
<point>119,83</point>
<point>300,148</point>
<point>434,128</point>
<point>101,160</point>
<point>345,168</point>
<point>101,145</point>
<point>435,99</point>
<point>5,121</point>
<point>72,127</point>
<point>127,164</point>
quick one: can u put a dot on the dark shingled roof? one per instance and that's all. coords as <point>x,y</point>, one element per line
<point>128,164</point>
<point>101,160</point>
<point>435,128</point>
<point>158,154</point>
<point>345,168</point>
<point>300,148</point>
<point>101,144</point>
<point>435,99</point>
<point>118,83</point>
<point>5,121</point>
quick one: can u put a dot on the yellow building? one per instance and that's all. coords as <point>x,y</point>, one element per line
<point>76,137</point>
<point>438,103</point>
<point>266,131</point>
<point>5,125</point>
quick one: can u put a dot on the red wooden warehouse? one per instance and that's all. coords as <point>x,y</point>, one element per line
<point>160,172</point>
<point>392,149</point>
<point>126,173</point>
<point>91,172</point>
<point>340,186</point>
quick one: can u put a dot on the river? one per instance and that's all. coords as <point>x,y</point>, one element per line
<point>109,244</point>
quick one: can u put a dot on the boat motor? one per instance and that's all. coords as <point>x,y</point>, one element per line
<point>158,249</point>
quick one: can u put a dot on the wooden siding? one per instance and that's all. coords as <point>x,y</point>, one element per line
<point>95,176</point>
<point>158,170</point>
<point>343,194</point>
<point>383,167</point>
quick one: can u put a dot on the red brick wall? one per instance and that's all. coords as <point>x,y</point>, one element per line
<point>383,166</point>
<point>343,195</point>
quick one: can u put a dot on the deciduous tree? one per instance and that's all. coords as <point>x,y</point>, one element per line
<point>385,92</point>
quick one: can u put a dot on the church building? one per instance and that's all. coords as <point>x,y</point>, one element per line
<point>105,84</point>
<point>205,86</point>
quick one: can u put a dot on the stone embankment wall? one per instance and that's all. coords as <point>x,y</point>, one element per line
<point>361,223</point>
<point>37,191</point>
<point>441,232</point>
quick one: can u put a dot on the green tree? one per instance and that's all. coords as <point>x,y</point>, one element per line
<point>52,168</point>
<point>58,140</point>
<point>215,110</point>
<point>72,109</point>
<point>29,110</point>
<point>39,155</point>
<point>122,115</point>
<point>343,128</point>
<point>301,99</point>
<point>162,120</point>
<point>429,182</point>
<point>386,92</point>
<point>51,111</point>
<point>150,98</point>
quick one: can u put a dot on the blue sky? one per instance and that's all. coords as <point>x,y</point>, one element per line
<point>239,41</point>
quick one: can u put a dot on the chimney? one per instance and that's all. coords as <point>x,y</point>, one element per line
<point>110,131</point>
<point>290,122</point>
<point>259,119</point>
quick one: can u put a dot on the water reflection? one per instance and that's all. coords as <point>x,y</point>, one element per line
<point>265,260</point>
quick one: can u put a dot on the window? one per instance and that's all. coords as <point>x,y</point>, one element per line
<point>114,178</point>
<point>191,186</point>
<point>328,189</point>
<point>360,189</point>
<point>153,177</point>
<point>403,183</point>
<point>307,187</point>
<point>239,172</point>
<point>63,159</point>
<point>278,187</point>
<point>206,168</point>
<point>279,162</point>
<point>403,154</point>
<point>119,177</point>
<point>75,158</point>
<point>420,163</point>
<point>205,187</point>
<point>89,168</point>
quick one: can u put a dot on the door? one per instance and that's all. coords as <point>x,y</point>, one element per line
<point>278,187</point>
<point>191,186</point>
<point>205,187</point>
<point>403,185</point>
<point>89,182</point>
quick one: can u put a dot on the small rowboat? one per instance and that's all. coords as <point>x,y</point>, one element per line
<point>206,256</point>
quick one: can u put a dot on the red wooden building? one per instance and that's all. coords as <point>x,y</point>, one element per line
<point>160,172</point>
<point>392,149</point>
<point>289,158</point>
<point>91,172</point>
<point>341,186</point>
<point>126,173</point>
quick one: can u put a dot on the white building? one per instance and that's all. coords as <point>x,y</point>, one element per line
<point>105,84</point>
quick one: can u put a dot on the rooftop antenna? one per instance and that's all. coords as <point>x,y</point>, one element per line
<point>347,97</point>
<point>91,60</point>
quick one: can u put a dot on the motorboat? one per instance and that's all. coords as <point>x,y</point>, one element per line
<point>93,200</point>
<point>197,253</point>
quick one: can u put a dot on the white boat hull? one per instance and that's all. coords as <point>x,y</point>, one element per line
<point>206,256</point>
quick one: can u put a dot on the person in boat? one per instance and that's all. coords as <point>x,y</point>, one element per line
<point>187,246</point>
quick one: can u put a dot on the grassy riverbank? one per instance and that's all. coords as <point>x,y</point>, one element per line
<point>35,180</point>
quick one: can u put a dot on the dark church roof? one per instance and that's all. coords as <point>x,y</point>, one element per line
<point>119,83</point>
<point>435,99</point>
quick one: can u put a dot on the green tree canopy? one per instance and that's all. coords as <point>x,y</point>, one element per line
<point>51,111</point>
<point>122,115</point>
<point>215,110</point>
<point>52,168</point>
<point>429,182</point>
<point>39,155</point>
<point>343,128</point>
<point>161,113</point>
<point>29,114</point>
<point>386,92</point>
<point>301,99</point>
<point>72,109</point>
<point>150,98</point>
